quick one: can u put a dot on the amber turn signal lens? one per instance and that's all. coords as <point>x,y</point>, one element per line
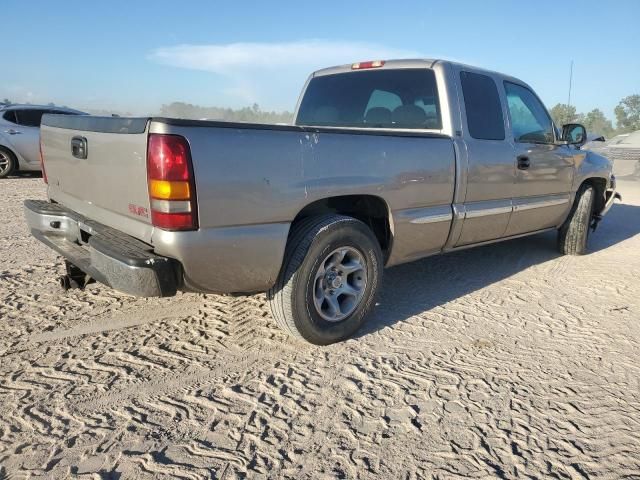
<point>166,190</point>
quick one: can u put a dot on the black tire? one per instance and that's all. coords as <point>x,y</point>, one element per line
<point>574,233</point>
<point>8,156</point>
<point>292,297</point>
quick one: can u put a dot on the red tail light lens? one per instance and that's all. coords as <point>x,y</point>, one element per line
<point>168,158</point>
<point>172,221</point>
<point>44,172</point>
<point>170,181</point>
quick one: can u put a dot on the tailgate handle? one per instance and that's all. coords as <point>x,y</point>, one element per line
<point>79,147</point>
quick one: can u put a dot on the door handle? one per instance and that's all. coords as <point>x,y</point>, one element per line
<point>12,131</point>
<point>523,162</point>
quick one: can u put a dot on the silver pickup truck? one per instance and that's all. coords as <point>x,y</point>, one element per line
<point>387,162</point>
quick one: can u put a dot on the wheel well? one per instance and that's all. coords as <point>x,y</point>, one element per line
<point>369,209</point>
<point>600,186</point>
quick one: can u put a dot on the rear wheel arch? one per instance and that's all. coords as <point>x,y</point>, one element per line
<point>14,158</point>
<point>371,210</point>
<point>7,148</point>
<point>314,272</point>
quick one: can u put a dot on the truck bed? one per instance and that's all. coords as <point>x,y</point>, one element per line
<point>251,181</point>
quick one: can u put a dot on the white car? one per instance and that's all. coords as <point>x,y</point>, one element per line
<point>20,136</point>
<point>624,151</point>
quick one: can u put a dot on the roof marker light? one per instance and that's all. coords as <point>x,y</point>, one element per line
<point>370,64</point>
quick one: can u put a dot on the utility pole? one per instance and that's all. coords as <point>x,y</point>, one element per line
<point>570,81</point>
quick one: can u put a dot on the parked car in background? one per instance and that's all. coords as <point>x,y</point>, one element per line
<point>20,136</point>
<point>595,137</point>
<point>387,162</point>
<point>623,150</point>
<point>593,140</point>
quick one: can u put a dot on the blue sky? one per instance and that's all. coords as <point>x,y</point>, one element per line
<point>134,56</point>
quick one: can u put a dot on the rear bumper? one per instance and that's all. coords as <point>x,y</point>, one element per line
<point>108,255</point>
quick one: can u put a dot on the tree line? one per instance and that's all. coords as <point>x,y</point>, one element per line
<point>627,117</point>
<point>196,112</point>
<point>246,114</point>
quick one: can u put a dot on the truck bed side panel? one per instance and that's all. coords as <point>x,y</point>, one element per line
<point>414,175</point>
<point>251,184</point>
<point>246,176</point>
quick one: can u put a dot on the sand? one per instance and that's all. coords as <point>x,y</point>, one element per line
<point>502,361</point>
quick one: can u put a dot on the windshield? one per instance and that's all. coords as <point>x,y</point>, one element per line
<point>400,98</point>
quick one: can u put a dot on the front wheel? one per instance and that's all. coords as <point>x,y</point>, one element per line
<point>574,233</point>
<point>329,279</point>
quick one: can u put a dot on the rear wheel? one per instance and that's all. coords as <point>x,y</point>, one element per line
<point>330,277</point>
<point>574,233</point>
<point>8,162</point>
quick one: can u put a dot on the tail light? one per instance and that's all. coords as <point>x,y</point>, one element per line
<point>44,172</point>
<point>170,179</point>
<point>364,65</point>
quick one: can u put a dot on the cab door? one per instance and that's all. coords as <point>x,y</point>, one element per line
<point>544,168</point>
<point>490,163</point>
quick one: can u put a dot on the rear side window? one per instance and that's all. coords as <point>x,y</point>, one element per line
<point>10,116</point>
<point>482,105</point>
<point>29,117</point>
<point>401,98</point>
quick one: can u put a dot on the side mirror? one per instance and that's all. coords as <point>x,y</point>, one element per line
<point>574,134</point>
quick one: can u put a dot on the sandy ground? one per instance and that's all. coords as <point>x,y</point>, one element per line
<point>503,361</point>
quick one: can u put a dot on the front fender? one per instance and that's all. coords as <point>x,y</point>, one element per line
<point>591,165</point>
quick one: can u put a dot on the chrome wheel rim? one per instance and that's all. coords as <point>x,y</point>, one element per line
<point>339,284</point>
<point>4,163</point>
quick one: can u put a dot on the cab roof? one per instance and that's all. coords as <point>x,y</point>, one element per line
<point>412,63</point>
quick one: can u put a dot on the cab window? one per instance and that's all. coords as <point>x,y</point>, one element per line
<point>482,106</point>
<point>394,98</point>
<point>530,122</point>
<point>383,99</point>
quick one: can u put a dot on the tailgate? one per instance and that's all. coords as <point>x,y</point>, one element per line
<point>96,166</point>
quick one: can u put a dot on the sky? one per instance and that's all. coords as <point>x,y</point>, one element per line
<point>134,56</point>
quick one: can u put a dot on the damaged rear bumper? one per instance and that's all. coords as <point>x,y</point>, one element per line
<point>107,255</point>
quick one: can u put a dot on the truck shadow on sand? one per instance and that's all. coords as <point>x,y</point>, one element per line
<point>417,287</point>
<point>17,175</point>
